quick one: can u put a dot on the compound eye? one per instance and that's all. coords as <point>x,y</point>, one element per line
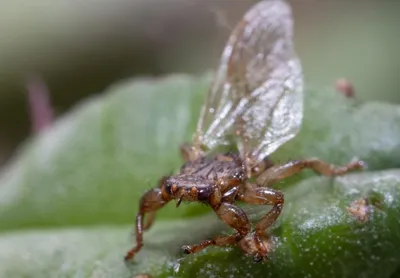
<point>163,181</point>
<point>170,187</point>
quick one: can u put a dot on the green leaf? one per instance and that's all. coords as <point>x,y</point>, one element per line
<point>95,163</point>
<point>315,237</point>
<point>92,166</point>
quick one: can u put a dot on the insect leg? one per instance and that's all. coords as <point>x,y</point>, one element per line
<point>149,220</point>
<point>230,195</point>
<point>151,201</point>
<point>279,172</point>
<point>151,215</point>
<point>259,168</point>
<point>232,216</point>
<point>263,196</point>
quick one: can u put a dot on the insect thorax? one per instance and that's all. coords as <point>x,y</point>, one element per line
<point>217,168</point>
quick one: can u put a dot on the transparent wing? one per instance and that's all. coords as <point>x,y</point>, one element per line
<point>256,95</point>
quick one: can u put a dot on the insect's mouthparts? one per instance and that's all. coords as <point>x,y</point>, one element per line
<point>179,200</point>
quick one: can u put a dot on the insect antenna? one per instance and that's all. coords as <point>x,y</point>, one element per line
<point>221,18</point>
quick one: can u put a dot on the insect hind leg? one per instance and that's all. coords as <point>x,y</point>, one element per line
<point>276,173</point>
<point>257,169</point>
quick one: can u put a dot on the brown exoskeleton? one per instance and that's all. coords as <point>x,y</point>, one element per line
<point>255,102</point>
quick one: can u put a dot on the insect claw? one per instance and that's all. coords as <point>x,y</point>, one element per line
<point>361,164</point>
<point>186,249</point>
<point>128,257</point>
<point>257,258</point>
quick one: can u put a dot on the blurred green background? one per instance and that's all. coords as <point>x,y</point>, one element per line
<point>81,47</point>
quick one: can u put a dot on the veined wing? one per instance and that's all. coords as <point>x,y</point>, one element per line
<point>257,92</point>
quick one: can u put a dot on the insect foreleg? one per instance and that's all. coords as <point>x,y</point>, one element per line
<point>230,195</point>
<point>232,216</point>
<point>151,201</point>
<point>279,172</point>
<point>149,220</point>
<point>263,196</point>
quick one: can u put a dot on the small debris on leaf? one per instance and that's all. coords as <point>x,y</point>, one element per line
<point>360,209</point>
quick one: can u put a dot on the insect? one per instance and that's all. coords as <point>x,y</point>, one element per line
<point>255,103</point>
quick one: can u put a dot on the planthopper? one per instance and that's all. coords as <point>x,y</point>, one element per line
<point>254,103</point>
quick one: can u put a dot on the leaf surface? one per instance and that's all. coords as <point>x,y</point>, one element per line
<point>69,197</point>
